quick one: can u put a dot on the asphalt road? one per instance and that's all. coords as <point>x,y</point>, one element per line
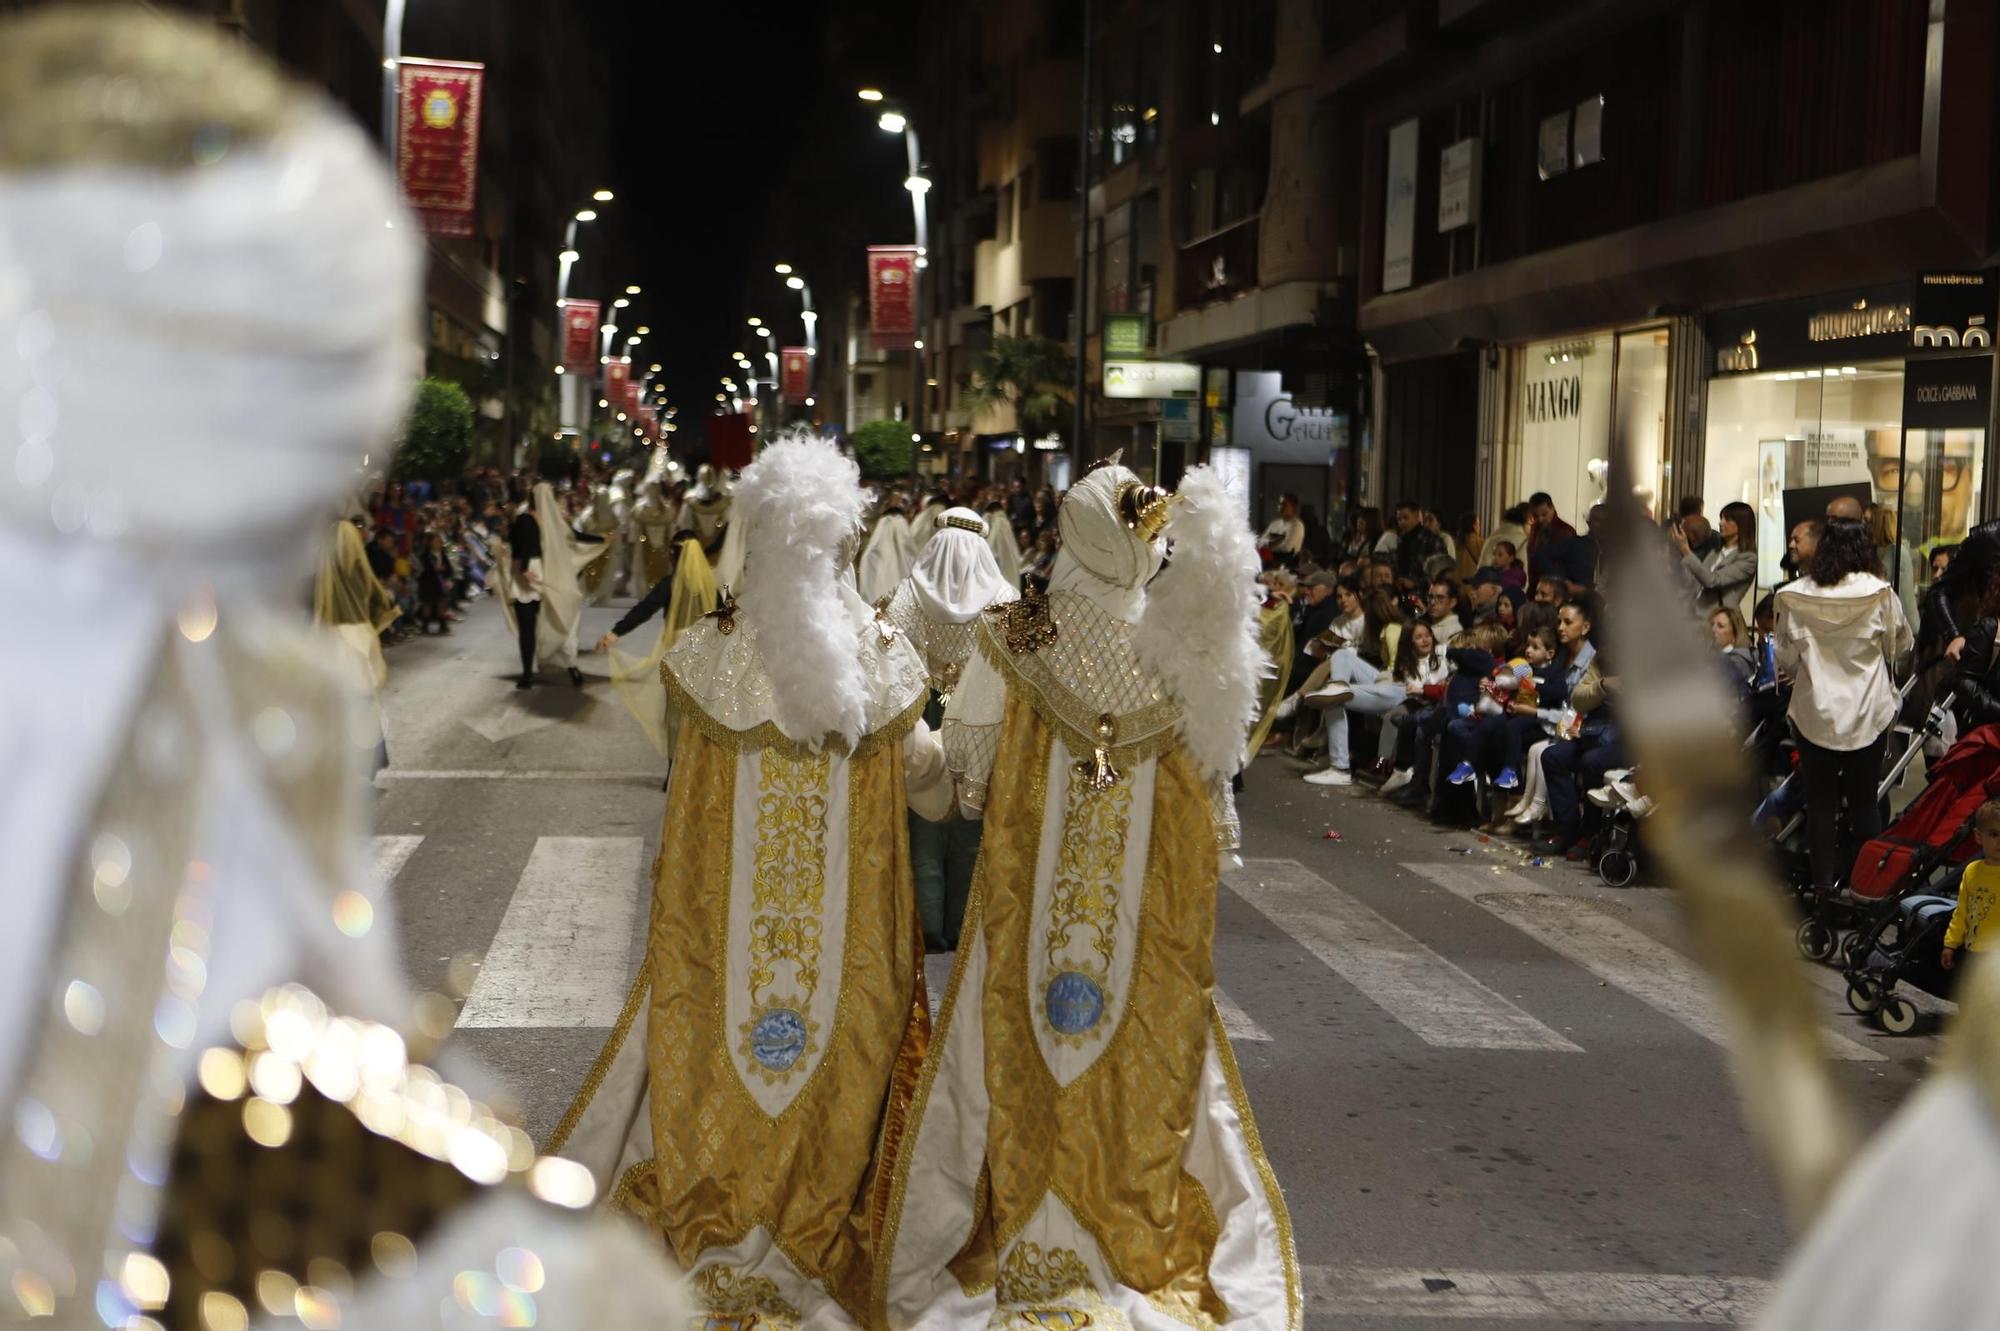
<point>1494,1092</point>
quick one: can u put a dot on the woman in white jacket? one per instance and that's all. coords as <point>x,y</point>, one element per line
<point>1840,631</point>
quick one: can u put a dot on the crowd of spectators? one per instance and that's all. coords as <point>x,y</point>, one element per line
<point>1463,674</point>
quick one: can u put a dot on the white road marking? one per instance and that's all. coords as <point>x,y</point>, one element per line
<point>391,854</point>
<point>507,721</point>
<point>1608,948</point>
<point>503,774</point>
<point>1236,1023</point>
<point>1436,1000</point>
<point>563,949</point>
<point>1600,1297</point>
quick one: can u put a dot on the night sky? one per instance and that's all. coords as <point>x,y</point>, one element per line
<point>737,141</point>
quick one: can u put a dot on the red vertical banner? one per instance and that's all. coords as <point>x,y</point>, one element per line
<point>617,373</point>
<point>635,393</point>
<point>437,141</point>
<point>892,296</point>
<point>580,320</point>
<point>795,373</point>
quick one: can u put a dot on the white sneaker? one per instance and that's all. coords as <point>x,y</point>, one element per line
<point>1329,776</point>
<point>1400,778</point>
<point>1335,694</point>
<point>1286,708</point>
<point>1534,813</point>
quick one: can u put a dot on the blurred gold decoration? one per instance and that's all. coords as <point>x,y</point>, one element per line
<point>131,87</point>
<point>278,1206</point>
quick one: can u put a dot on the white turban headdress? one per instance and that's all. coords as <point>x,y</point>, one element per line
<point>1103,557</point>
<point>208,309</point>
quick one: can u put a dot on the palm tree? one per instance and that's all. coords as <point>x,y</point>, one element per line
<point>1030,375</point>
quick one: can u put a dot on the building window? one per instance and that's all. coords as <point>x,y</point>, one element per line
<point>1057,158</point>
<point>1003,220</point>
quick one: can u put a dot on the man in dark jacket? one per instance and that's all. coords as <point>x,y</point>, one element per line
<point>1416,545</point>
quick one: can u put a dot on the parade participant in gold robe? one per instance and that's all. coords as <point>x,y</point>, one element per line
<point>354,607</point>
<point>938,608</point>
<point>763,1064</point>
<point>205,1033</point>
<point>705,511</point>
<point>1081,1151</point>
<point>654,515</point>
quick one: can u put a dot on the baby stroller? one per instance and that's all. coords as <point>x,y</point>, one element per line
<point>1901,946</point>
<point>1892,870</point>
<point>1621,808</point>
<point>1818,935</point>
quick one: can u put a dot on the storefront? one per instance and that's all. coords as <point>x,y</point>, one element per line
<point>1288,448</point>
<point>1574,400</point>
<point>1883,393</point>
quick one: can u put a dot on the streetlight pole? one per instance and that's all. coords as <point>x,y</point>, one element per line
<point>1081,305</point>
<point>918,184</point>
<point>392,56</point>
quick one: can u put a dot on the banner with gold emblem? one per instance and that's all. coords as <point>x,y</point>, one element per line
<point>437,141</point>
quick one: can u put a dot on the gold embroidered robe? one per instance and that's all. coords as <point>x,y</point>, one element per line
<point>1081,1145</point>
<point>765,1058</point>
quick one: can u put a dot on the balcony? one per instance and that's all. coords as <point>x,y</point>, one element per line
<point>1218,267</point>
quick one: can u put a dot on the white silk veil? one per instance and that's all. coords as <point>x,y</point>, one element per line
<point>955,577</point>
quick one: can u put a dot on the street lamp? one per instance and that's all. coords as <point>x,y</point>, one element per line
<point>871,94</point>
<point>602,195</point>
<point>892,121</point>
<point>782,269</point>
<point>586,214</point>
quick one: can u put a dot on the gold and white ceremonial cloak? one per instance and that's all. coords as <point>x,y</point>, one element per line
<point>1081,1149</point>
<point>762,1066</point>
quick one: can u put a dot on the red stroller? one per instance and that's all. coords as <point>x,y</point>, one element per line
<point>1933,833</point>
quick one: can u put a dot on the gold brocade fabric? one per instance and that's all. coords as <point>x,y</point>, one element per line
<point>1109,1144</point>
<point>722,1167</point>
<point>1274,635</point>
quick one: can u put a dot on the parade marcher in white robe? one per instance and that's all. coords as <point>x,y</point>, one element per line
<point>190,849</point>
<point>1000,539</point>
<point>757,1079</point>
<point>888,557</point>
<point>554,582</point>
<point>938,608</point>
<point>1081,1151</point>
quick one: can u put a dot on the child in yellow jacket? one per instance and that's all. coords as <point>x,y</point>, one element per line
<point>1978,890</point>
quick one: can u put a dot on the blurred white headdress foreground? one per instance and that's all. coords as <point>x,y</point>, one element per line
<point>207,318</point>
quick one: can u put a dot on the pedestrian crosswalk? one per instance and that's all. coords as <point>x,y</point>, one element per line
<point>1608,948</point>
<point>1434,998</point>
<point>564,947</point>
<point>563,951</point>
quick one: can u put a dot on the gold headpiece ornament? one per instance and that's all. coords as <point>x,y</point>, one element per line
<point>973,525</point>
<point>1144,508</point>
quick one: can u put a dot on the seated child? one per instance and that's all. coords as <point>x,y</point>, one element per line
<point>1526,712</point>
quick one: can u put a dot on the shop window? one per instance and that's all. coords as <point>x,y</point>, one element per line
<point>1831,427</point>
<point>1578,399</point>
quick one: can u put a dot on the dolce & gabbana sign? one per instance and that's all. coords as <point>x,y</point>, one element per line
<point>1935,312</point>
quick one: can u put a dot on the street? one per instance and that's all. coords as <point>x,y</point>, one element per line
<point>1494,1093</point>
